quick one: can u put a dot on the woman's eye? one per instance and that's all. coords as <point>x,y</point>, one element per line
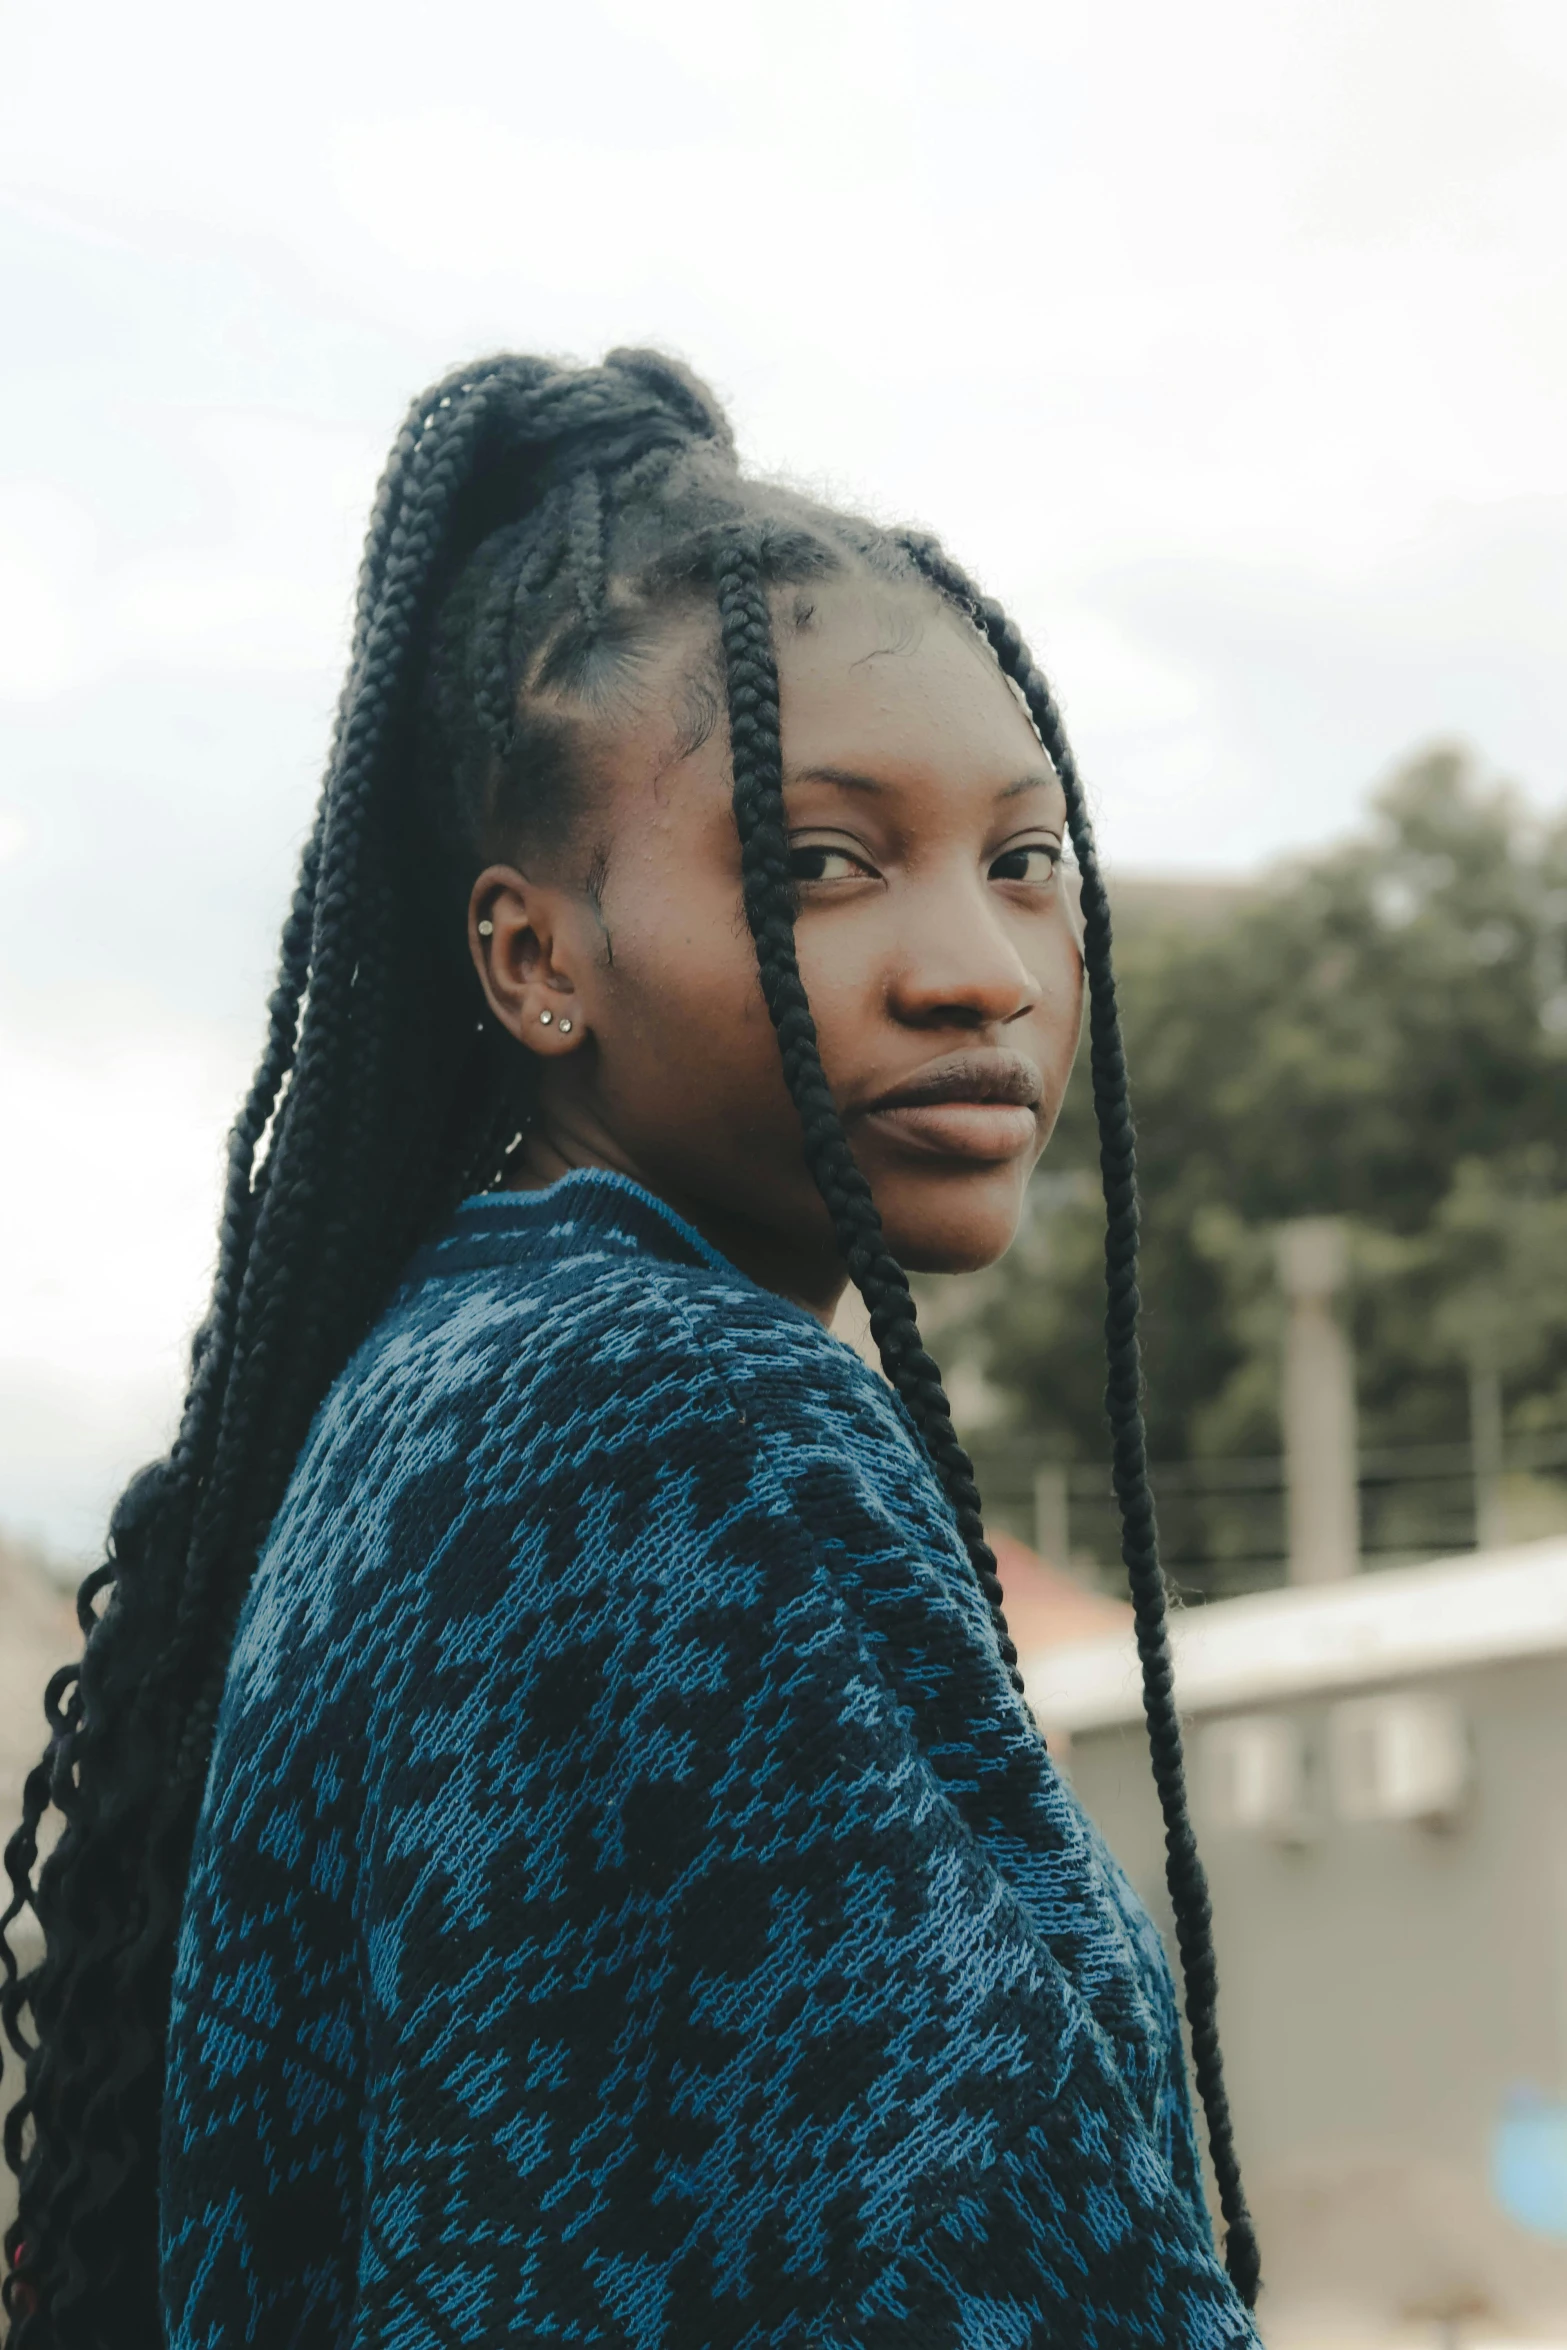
<point>1034,861</point>
<point>819,861</point>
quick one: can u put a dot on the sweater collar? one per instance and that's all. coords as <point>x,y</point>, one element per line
<point>589,1212</point>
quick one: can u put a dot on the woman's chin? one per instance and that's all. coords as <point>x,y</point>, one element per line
<point>959,1223</point>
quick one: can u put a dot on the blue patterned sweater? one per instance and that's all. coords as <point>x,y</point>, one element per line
<point>630,1906</point>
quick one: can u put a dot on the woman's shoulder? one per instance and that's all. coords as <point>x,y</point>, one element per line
<point>550,1391</point>
<point>583,1321</point>
<point>594,1286</point>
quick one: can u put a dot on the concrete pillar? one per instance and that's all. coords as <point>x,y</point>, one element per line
<point>1052,1518</point>
<point>1485,1431</point>
<point>1319,1405</point>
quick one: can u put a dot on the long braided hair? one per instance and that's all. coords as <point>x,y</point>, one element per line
<point>534,526</point>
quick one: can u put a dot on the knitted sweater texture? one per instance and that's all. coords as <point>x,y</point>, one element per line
<point>630,1905</point>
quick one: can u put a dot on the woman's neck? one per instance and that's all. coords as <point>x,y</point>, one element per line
<point>809,1276</point>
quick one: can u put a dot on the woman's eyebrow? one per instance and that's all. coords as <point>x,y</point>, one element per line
<point>849,779</point>
<point>846,777</point>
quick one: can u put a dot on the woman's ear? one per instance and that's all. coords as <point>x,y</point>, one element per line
<point>521,937</point>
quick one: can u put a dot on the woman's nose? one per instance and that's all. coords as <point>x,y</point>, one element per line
<point>959,964</point>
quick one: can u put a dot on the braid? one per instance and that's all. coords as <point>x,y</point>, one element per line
<point>752,677</point>
<point>522,563</point>
<point>296,1249</point>
<point>585,542</point>
<point>1187,1880</point>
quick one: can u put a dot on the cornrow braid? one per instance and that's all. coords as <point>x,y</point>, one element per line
<point>588,555</point>
<point>1184,1872</point>
<point>751,676</point>
<point>535,550</point>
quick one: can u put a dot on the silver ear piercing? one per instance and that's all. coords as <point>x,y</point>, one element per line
<point>486,929</point>
<point>545,1018</point>
<point>565,1028</point>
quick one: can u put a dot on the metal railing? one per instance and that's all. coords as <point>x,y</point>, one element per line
<point>1224,1522</point>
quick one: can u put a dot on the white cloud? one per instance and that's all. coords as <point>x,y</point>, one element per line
<point>122,1148</point>
<point>37,640</point>
<point>108,1202</point>
<point>46,554</point>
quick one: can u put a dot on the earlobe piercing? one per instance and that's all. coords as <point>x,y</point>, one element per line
<point>565,1027</point>
<point>545,1018</point>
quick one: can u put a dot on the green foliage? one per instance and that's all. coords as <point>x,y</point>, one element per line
<point>1378,1033</point>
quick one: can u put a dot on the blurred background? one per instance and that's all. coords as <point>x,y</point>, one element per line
<point>1229,345</point>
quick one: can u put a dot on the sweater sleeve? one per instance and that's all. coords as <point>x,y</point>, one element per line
<point>696,2014</point>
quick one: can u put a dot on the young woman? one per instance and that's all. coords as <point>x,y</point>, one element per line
<point>593,1878</point>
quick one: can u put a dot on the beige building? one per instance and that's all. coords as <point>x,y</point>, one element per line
<point>1379,1780</point>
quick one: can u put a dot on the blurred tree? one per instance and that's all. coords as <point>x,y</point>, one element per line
<point>1379,1033</point>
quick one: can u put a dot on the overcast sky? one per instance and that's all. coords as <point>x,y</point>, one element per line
<point>1228,342</point>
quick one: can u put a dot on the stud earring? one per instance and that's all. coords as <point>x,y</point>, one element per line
<point>486,929</point>
<point>565,1028</point>
<point>545,1018</point>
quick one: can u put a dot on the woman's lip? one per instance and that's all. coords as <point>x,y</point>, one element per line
<point>960,1130</point>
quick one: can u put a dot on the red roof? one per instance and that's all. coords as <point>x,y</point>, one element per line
<point>1045,1606</point>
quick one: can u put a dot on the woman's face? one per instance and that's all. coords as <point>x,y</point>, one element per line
<point>936,938</point>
